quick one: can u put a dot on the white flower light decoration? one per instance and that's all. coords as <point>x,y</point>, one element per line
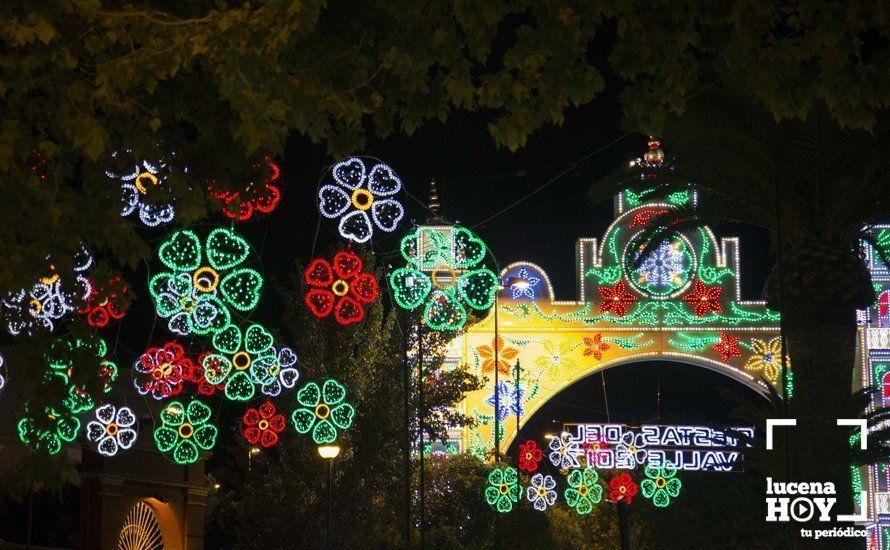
<point>356,192</point>
<point>53,296</point>
<point>114,431</point>
<point>564,452</point>
<point>541,492</point>
<point>282,370</point>
<point>2,373</point>
<point>631,448</point>
<point>136,184</point>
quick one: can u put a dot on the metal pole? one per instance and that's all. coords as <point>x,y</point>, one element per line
<point>420,415</point>
<point>407,473</point>
<point>330,502</point>
<point>497,394</point>
<point>624,526</point>
<point>516,439</point>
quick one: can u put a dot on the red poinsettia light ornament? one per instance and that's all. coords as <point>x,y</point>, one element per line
<point>197,377</point>
<point>727,347</point>
<point>622,488</point>
<point>263,424</point>
<point>529,456</point>
<point>616,299</point>
<point>106,304</point>
<point>260,196</point>
<point>161,371</point>
<point>340,287</point>
<point>704,299</point>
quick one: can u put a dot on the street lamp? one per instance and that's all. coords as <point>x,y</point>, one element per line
<point>329,453</point>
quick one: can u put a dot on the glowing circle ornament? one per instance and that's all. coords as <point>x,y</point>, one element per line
<point>137,182</point>
<point>541,493</point>
<point>113,430</point>
<point>661,485</point>
<point>50,298</point>
<point>322,411</point>
<point>204,282</point>
<point>503,489</point>
<point>263,424</point>
<point>622,488</point>
<point>361,199</point>
<point>243,359</point>
<point>584,490</point>
<point>162,371</point>
<point>185,430</point>
<point>47,431</point>
<point>106,304</point>
<point>340,287</point>
<point>445,275</point>
<point>255,198</point>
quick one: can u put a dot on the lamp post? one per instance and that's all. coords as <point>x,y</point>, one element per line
<point>329,453</point>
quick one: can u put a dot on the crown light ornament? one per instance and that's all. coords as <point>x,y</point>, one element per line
<point>185,430</point>
<point>204,281</point>
<point>322,411</point>
<point>113,430</point>
<point>457,279</point>
<point>339,286</point>
<point>356,192</point>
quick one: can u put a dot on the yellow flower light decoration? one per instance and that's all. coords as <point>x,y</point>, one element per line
<point>556,356</point>
<point>766,358</point>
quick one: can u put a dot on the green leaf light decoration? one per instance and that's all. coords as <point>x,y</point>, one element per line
<point>68,365</point>
<point>661,485</point>
<point>48,431</point>
<point>323,411</point>
<point>584,490</point>
<point>242,361</point>
<point>185,430</point>
<point>503,489</point>
<point>204,281</point>
<point>444,275</point>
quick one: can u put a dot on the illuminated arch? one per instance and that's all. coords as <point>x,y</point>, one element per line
<point>150,525</point>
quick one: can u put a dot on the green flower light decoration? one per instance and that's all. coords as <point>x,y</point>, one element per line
<point>503,489</point>
<point>204,281</point>
<point>584,490</point>
<point>323,411</point>
<point>455,282</point>
<point>48,431</point>
<point>185,430</point>
<point>661,485</point>
<point>71,361</point>
<point>243,360</point>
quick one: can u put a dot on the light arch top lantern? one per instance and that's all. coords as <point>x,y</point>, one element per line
<point>682,303</point>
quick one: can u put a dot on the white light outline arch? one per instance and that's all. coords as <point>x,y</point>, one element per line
<point>536,267</point>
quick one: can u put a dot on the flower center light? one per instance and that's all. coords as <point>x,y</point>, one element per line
<point>632,448</point>
<point>263,424</point>
<point>528,456</point>
<point>205,279</point>
<point>35,307</point>
<point>362,199</point>
<point>241,360</point>
<point>274,369</point>
<point>52,277</point>
<point>660,482</point>
<point>186,303</point>
<point>145,179</point>
<point>444,276</point>
<point>622,489</point>
<point>111,428</point>
<point>541,491</point>
<point>186,430</point>
<point>503,488</point>
<point>582,490</point>
<point>340,287</point>
<point>165,369</point>
<point>322,410</point>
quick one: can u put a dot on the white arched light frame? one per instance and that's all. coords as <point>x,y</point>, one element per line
<point>515,266</point>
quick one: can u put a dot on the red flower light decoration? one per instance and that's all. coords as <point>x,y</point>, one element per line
<point>243,204</point>
<point>616,299</point>
<point>622,488</point>
<point>106,304</point>
<point>262,425</point>
<point>162,371</point>
<point>703,299</point>
<point>727,347</point>
<point>196,376</point>
<point>341,288</point>
<point>529,456</point>
<point>595,346</point>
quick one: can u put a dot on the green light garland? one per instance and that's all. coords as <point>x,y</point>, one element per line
<point>680,198</point>
<point>185,430</point>
<point>708,273</point>
<point>661,485</point>
<point>243,360</point>
<point>323,411</point>
<point>636,199</point>
<point>503,489</point>
<point>584,490</point>
<point>455,283</point>
<point>47,432</point>
<point>204,282</point>
<point>629,342</point>
<point>693,343</point>
<point>66,367</point>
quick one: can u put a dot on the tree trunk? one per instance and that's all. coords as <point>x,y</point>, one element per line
<point>822,290</point>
